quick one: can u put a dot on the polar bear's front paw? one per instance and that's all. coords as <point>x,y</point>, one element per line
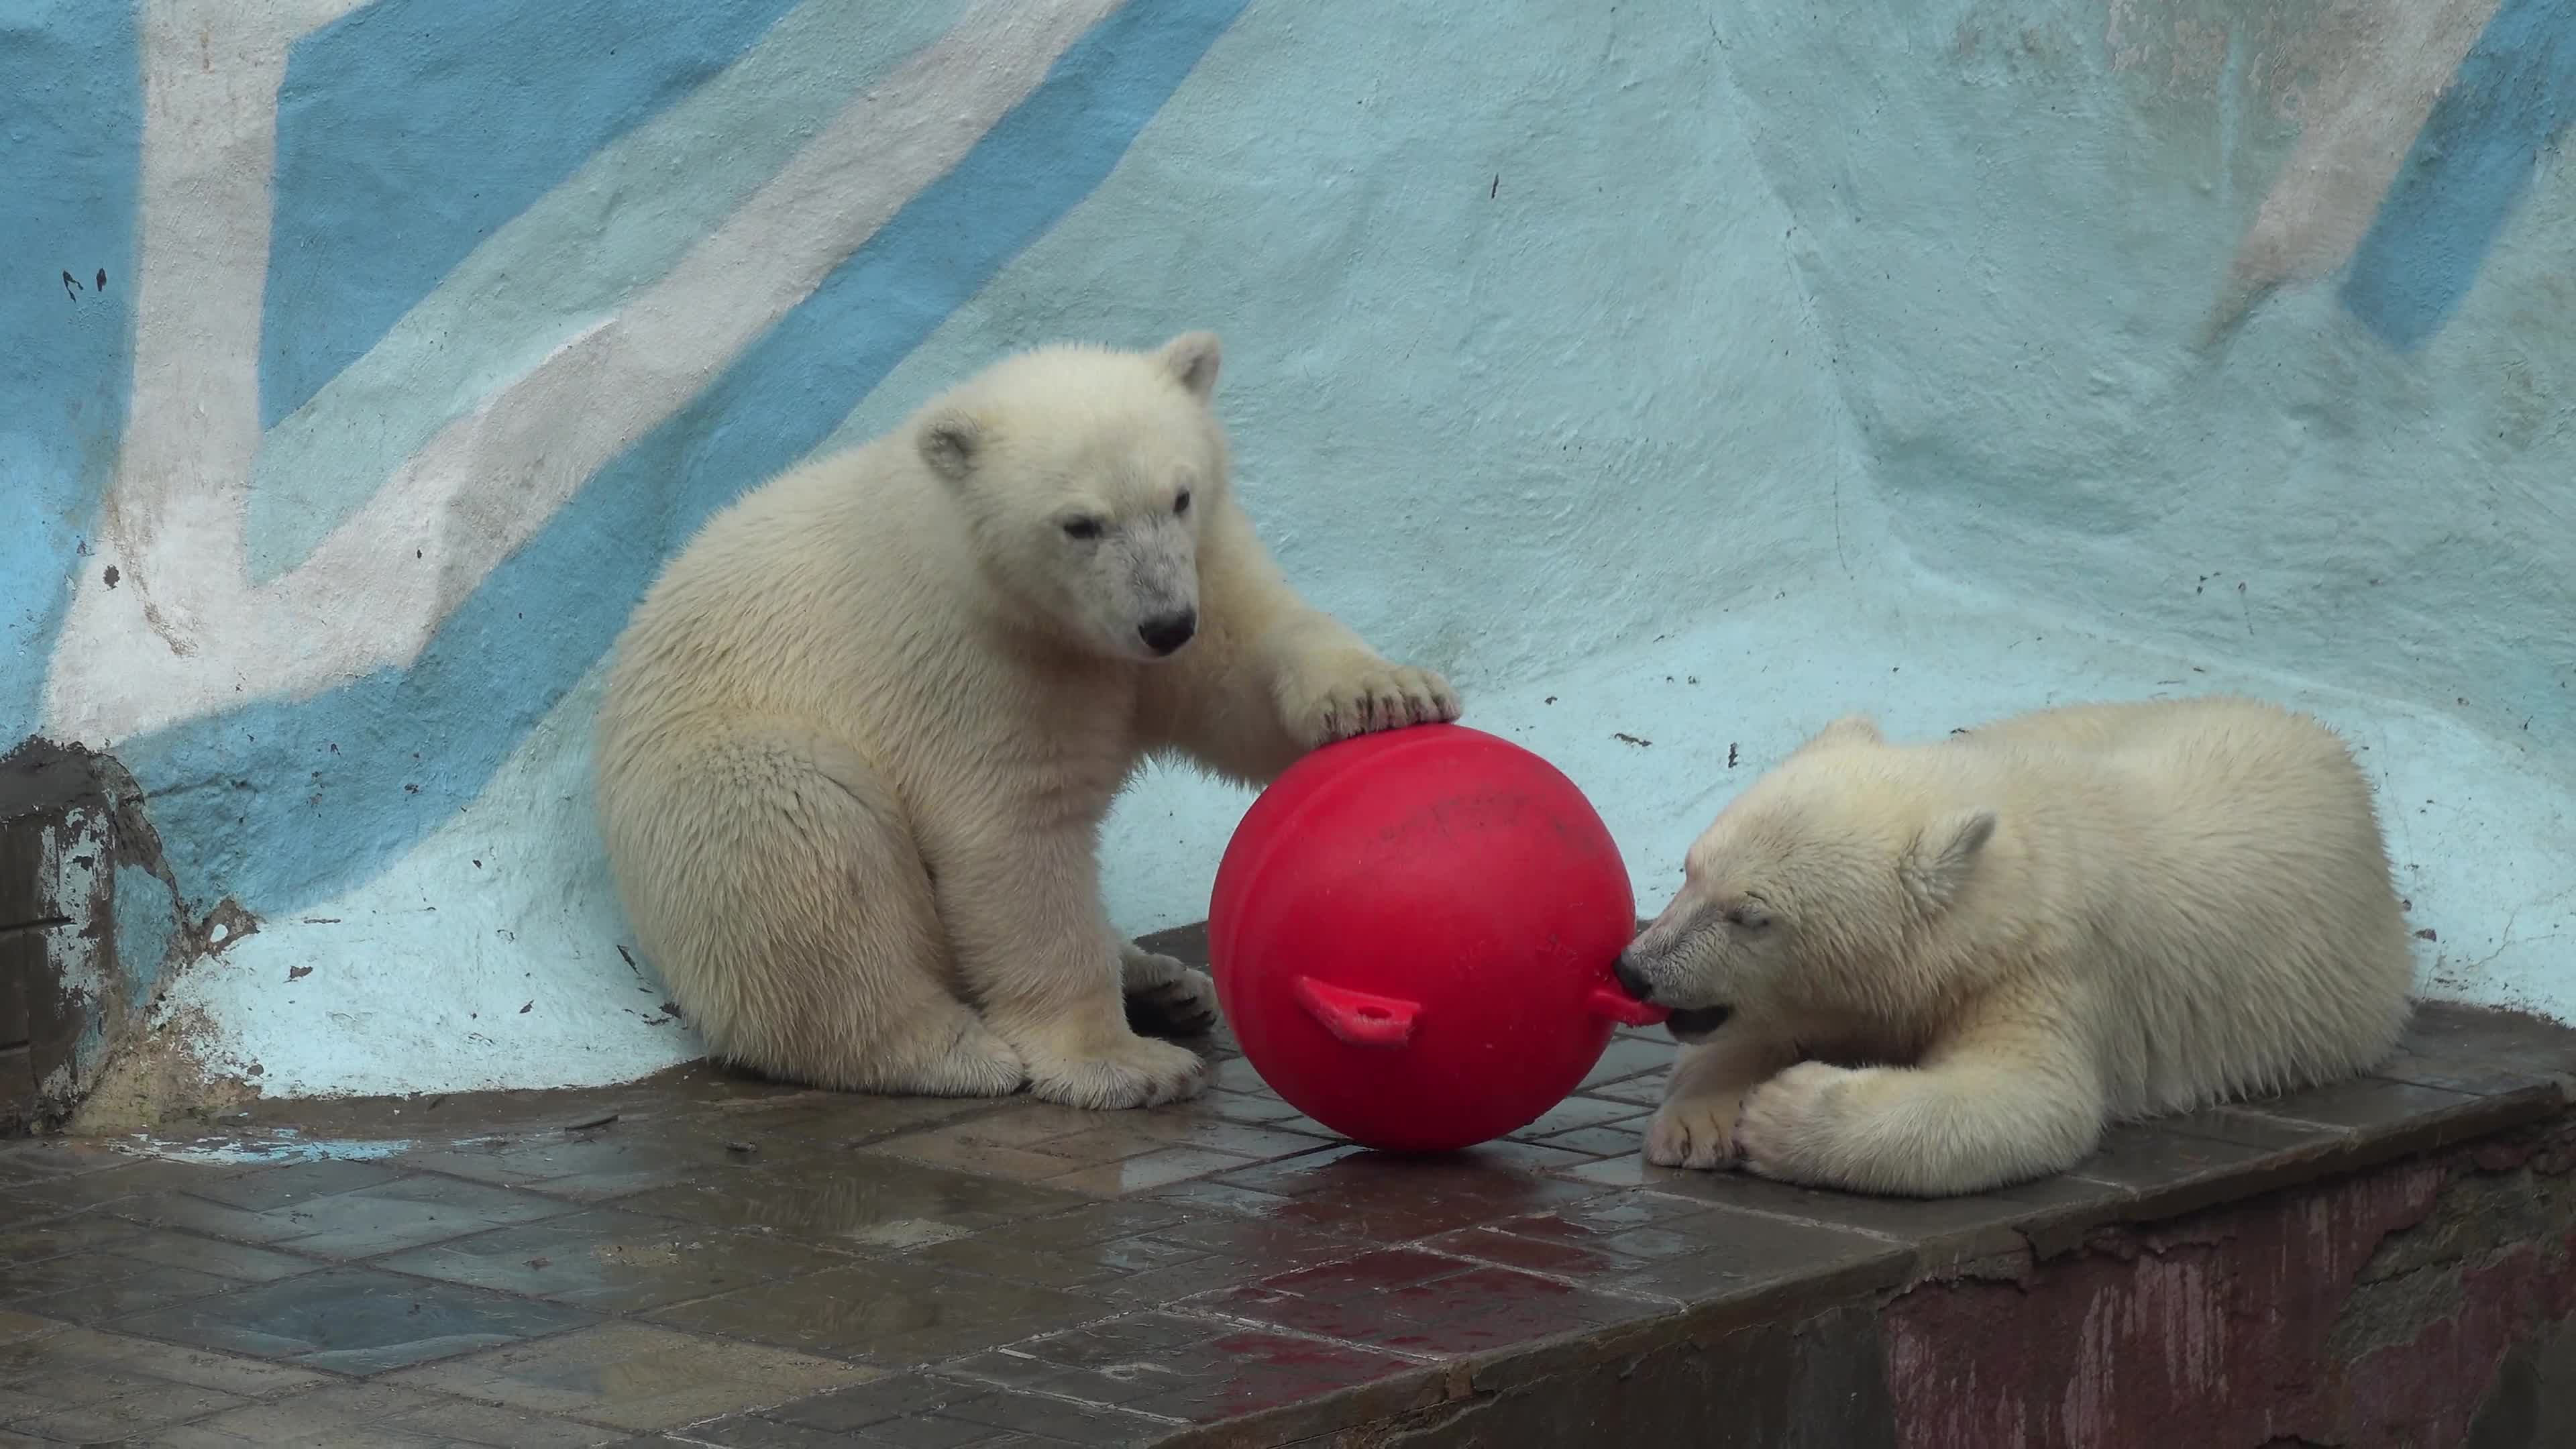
<point>1139,1072</point>
<point>1796,1126</point>
<point>975,1063</point>
<point>1370,694</point>
<point>1165,997</point>
<point>1695,1132</point>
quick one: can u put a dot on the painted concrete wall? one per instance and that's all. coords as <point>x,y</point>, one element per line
<point>1676,380</point>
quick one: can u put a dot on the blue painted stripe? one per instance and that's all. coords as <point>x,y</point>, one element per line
<point>408,129</point>
<point>566,261</point>
<point>280,803</point>
<point>71,148</point>
<point>2509,101</point>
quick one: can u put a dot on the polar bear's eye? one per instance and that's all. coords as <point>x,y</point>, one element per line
<point>1749,915</point>
<point>1082,528</point>
<point>1181,503</point>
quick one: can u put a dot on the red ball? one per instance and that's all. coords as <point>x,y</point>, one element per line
<point>1412,936</point>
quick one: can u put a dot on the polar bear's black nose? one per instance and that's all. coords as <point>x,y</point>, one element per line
<point>1169,632</point>
<point>1632,980</point>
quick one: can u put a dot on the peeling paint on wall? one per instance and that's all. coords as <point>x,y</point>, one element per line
<point>91,924</point>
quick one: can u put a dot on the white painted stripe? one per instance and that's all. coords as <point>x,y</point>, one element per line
<point>306,16</point>
<point>563,263</point>
<point>2356,128</point>
<point>210,74</point>
<point>195,636</point>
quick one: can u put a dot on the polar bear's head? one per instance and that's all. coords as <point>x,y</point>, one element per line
<point>1807,894</point>
<point>1083,474</point>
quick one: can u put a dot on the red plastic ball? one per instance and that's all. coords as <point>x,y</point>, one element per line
<point>1412,936</point>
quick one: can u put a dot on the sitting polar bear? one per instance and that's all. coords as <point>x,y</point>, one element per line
<point>860,736</point>
<point>2015,935</point>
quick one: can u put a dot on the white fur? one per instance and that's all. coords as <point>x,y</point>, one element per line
<point>860,737</point>
<point>1979,952</point>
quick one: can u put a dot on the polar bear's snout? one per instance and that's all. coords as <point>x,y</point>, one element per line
<point>1631,979</point>
<point>1665,968</point>
<point>1686,1022</point>
<point>1165,633</point>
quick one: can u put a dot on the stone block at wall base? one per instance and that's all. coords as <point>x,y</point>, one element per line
<point>92,926</point>
<point>2429,1300</point>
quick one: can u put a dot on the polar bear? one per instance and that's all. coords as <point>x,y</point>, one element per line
<point>1937,969</point>
<point>860,736</point>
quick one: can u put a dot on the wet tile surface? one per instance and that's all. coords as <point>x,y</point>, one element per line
<point>353,1320</point>
<point>406,1212</point>
<point>855,1200</point>
<point>1940,1232</point>
<point>78,1385</point>
<point>889,1312</point>
<point>338,1415</point>
<point>2472,1049</point>
<point>613,1260</point>
<point>1181,1367</point>
<point>1649,1245</point>
<point>930,1410</point>
<point>635,1376</point>
<point>703,1259</point>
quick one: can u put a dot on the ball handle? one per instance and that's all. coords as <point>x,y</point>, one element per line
<point>1360,1018</point>
<point>1627,1010</point>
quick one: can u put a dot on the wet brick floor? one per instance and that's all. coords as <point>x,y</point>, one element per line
<point>709,1260</point>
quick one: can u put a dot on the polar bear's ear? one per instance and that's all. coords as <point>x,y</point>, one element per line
<point>1851,729</point>
<point>1193,358</point>
<point>949,442</point>
<point>1937,867</point>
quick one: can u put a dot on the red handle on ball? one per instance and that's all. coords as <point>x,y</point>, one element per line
<point>1619,1006</point>
<point>1357,1017</point>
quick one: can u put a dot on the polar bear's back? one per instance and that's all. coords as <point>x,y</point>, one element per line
<point>2241,908</point>
<point>2249,791</point>
<point>789,602</point>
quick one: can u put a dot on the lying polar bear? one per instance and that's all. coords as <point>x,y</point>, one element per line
<point>2015,936</point>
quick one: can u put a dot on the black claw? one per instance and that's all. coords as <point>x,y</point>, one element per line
<point>1164,1012</point>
